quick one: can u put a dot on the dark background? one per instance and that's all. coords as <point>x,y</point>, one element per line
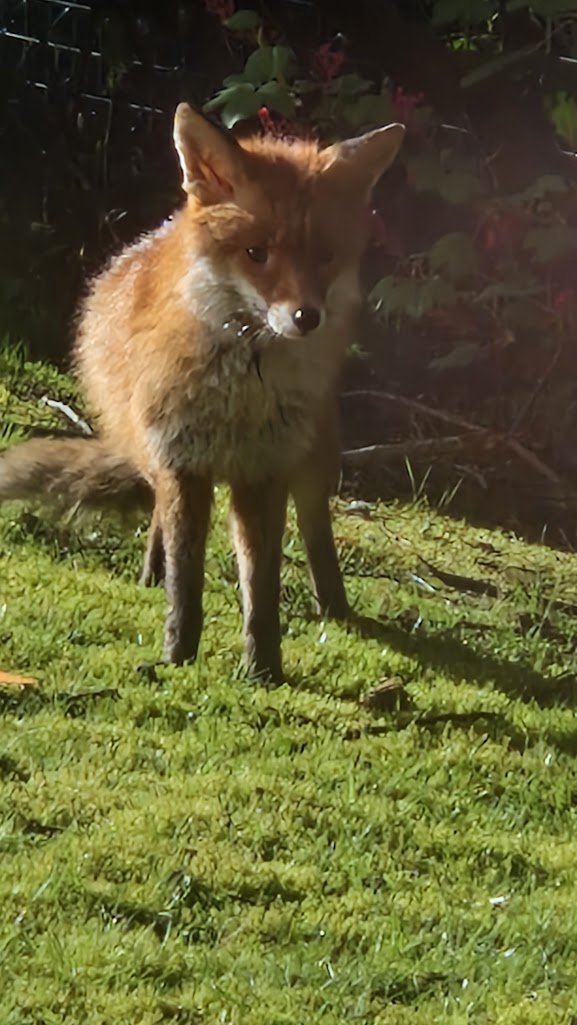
<point>87,94</point>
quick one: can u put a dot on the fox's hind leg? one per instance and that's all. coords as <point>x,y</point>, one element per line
<point>154,566</point>
<point>182,513</point>
<point>311,487</point>
<point>258,519</point>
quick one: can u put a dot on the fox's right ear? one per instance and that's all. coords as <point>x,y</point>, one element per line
<point>361,161</point>
<point>211,161</point>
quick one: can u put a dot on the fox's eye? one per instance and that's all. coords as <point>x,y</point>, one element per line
<point>258,254</point>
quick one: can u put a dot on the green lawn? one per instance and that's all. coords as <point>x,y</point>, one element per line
<point>197,848</point>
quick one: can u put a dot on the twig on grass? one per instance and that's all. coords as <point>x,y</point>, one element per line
<point>69,413</point>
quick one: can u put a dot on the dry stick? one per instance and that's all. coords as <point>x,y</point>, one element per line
<point>423,447</point>
<point>538,465</point>
<point>536,390</point>
<point>493,438</point>
<point>419,407</point>
<point>68,412</point>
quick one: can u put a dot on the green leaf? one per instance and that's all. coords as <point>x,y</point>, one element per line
<point>304,86</point>
<point>277,98</point>
<point>368,111</point>
<point>283,61</point>
<point>428,174</point>
<point>432,293</point>
<point>454,255</point>
<point>412,297</point>
<point>493,67</point>
<point>243,21</point>
<point>387,296</point>
<point>350,85</point>
<point>259,67</point>
<point>562,110</point>
<point>518,289</point>
<point>465,12</point>
<point>231,95</point>
<point>553,8</point>
<point>551,243</point>
<point>234,79</point>
<point>461,356</point>
<point>243,106</point>
<point>325,109</point>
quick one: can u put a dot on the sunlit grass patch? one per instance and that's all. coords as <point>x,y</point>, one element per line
<point>189,846</point>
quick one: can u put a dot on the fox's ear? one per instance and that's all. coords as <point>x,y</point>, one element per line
<point>362,161</point>
<point>211,161</point>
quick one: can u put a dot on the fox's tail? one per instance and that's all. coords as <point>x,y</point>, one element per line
<point>73,472</point>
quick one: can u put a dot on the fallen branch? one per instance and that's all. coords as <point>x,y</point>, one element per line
<point>537,464</point>
<point>425,447</point>
<point>415,406</point>
<point>491,439</point>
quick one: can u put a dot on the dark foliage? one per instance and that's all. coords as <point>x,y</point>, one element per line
<point>472,269</point>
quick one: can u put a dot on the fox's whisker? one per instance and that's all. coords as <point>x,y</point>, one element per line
<point>255,362</point>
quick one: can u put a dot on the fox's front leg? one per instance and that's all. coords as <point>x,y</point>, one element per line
<point>258,520</point>
<point>311,486</point>
<point>182,515</point>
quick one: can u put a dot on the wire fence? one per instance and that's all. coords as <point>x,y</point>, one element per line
<point>87,92</point>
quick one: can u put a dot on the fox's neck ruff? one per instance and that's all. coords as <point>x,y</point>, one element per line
<point>244,401</point>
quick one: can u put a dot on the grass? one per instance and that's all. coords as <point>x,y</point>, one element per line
<point>199,849</point>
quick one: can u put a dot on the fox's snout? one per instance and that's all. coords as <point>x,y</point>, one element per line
<point>289,307</point>
<point>307,318</point>
<point>285,319</point>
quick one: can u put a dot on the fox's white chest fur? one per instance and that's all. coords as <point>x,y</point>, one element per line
<point>246,409</point>
<point>245,402</point>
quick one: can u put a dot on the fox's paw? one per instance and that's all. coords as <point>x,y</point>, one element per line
<point>335,607</point>
<point>262,664</point>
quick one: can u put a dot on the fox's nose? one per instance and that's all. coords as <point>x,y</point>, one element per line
<point>307,319</point>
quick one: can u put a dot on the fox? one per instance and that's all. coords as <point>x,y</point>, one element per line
<point>210,352</point>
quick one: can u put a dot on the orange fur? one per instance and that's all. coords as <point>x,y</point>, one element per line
<point>210,351</point>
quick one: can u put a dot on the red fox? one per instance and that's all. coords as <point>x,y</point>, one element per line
<point>210,351</point>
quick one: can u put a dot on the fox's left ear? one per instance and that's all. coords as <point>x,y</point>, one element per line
<point>362,161</point>
<point>212,161</point>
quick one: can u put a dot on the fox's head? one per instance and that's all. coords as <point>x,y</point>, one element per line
<point>282,225</point>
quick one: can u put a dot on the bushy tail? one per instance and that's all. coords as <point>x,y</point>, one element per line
<point>73,472</point>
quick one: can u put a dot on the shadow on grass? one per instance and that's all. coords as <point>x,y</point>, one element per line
<point>459,662</point>
<point>25,701</point>
<point>446,655</point>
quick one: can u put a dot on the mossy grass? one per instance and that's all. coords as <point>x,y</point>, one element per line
<point>189,846</point>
